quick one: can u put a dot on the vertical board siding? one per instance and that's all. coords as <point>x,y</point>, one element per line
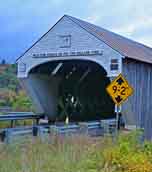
<point>138,108</point>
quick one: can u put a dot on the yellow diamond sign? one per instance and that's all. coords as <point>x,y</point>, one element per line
<point>119,89</point>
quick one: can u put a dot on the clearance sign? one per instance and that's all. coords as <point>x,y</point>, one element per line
<point>119,90</point>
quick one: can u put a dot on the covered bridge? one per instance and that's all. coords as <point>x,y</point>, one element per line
<point>74,62</point>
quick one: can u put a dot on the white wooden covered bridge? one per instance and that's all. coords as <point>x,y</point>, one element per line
<point>88,57</point>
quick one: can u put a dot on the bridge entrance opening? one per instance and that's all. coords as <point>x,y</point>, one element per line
<point>81,89</point>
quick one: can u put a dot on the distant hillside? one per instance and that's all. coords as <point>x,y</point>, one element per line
<point>11,92</point>
<point>3,68</point>
<point>8,79</point>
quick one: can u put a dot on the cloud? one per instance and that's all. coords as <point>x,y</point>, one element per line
<point>24,21</point>
<point>129,18</point>
<point>136,27</point>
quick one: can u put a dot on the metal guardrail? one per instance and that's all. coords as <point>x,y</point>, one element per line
<point>13,116</point>
<point>65,129</point>
<point>93,128</point>
<point>10,134</point>
<point>19,116</point>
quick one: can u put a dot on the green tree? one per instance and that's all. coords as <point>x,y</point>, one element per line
<point>8,78</point>
<point>3,62</point>
<point>21,102</point>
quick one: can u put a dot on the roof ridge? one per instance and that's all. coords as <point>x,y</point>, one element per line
<point>125,46</point>
<point>74,18</point>
<point>109,31</point>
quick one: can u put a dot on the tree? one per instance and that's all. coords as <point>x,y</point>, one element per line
<point>21,102</point>
<point>3,62</point>
<point>8,78</point>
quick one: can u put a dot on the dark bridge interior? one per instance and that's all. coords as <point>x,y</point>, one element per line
<point>82,92</point>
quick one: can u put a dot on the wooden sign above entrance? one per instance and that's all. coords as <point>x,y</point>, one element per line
<point>71,53</point>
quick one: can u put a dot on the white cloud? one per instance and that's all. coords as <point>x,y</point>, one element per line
<point>130,18</point>
<point>145,40</point>
<point>23,21</point>
<point>138,24</point>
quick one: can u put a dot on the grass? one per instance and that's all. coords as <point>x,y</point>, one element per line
<point>34,156</point>
<point>78,154</point>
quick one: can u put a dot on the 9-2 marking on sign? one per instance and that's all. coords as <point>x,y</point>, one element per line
<point>119,89</point>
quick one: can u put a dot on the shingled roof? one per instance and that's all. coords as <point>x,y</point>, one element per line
<point>124,46</point>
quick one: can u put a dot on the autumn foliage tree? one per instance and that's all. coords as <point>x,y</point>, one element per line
<point>11,93</point>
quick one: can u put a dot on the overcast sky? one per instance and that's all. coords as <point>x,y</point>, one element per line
<point>22,22</point>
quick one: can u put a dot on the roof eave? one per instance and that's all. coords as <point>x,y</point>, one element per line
<point>16,61</point>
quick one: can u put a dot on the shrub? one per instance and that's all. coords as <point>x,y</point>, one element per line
<point>128,155</point>
<point>79,154</point>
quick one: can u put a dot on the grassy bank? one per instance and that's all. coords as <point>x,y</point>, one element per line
<point>78,154</point>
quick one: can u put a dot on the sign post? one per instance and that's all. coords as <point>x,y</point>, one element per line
<point>117,116</point>
<point>119,90</point>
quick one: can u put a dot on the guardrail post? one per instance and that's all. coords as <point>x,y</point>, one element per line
<point>3,135</point>
<point>37,121</point>
<point>83,128</point>
<point>7,134</point>
<point>41,133</point>
<point>35,130</point>
<point>53,130</point>
<point>12,123</point>
<point>105,127</point>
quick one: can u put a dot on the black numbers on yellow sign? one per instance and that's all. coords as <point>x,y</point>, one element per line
<point>121,90</point>
<point>114,89</point>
